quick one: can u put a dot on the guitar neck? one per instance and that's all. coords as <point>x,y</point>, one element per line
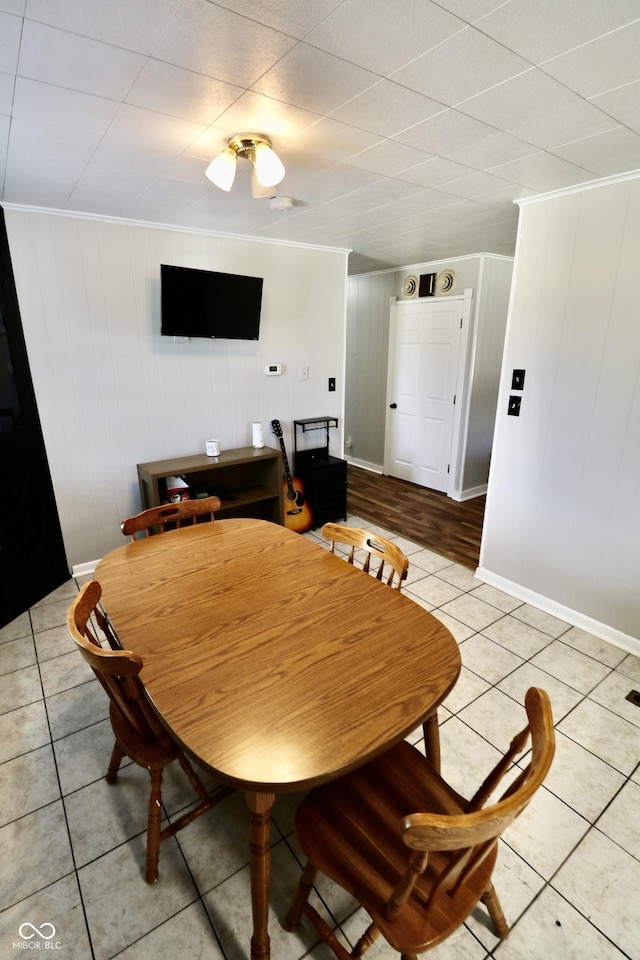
<point>285,464</point>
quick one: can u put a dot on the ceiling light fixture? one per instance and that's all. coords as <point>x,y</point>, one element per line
<point>267,166</point>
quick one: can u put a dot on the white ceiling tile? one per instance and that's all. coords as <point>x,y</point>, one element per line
<point>388,34</point>
<point>44,103</point>
<point>328,184</point>
<point>314,80</point>
<point>146,128</point>
<point>13,6</point>
<point>438,74</point>
<point>330,141</point>
<point>606,154</point>
<point>435,172</point>
<point>384,191</point>
<point>168,197</point>
<point>182,93</point>
<point>601,65</point>
<point>10,30</point>
<point>117,173</point>
<point>554,114</point>
<point>471,10</point>
<point>513,192</point>
<point>476,185</point>
<point>56,166</point>
<point>7,84</point>
<point>541,29</point>
<point>388,157</point>
<point>66,60</point>
<point>56,146</point>
<point>4,140</point>
<point>134,26</point>
<point>492,148</point>
<point>542,172</point>
<point>289,16</point>
<point>386,109</point>
<point>414,205</point>
<point>260,114</point>
<point>187,170</point>
<point>24,185</point>
<point>445,133</point>
<point>207,39</point>
<point>623,104</point>
<point>210,142</point>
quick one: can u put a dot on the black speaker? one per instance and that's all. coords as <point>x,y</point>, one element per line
<point>427,285</point>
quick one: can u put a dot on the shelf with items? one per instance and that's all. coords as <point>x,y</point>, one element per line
<point>247,480</point>
<point>303,455</point>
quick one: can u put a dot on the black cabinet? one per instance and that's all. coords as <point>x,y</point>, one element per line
<point>324,477</point>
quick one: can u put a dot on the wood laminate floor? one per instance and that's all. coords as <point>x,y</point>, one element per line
<point>425,516</point>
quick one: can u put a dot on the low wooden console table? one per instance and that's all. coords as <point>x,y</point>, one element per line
<point>248,481</point>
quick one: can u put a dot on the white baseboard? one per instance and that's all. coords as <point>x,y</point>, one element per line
<point>364,464</point>
<point>84,569</point>
<point>470,494</point>
<point>601,630</point>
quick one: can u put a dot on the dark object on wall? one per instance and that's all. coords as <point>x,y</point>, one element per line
<point>427,285</point>
<point>517,380</point>
<point>205,303</point>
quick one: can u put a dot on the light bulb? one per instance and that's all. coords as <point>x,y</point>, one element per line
<point>222,169</point>
<point>268,167</point>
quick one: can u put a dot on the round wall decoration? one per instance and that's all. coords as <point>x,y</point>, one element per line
<point>410,286</point>
<point>446,282</point>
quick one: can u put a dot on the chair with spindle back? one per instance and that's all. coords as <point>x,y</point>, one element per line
<point>390,554</point>
<point>393,563</point>
<point>182,513</point>
<point>138,732</point>
<point>413,852</point>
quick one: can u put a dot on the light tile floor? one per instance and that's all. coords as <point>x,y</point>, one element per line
<point>72,847</point>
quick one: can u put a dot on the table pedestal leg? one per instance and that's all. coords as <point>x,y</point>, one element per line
<point>260,837</point>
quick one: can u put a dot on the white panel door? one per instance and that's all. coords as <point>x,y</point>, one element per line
<point>423,370</point>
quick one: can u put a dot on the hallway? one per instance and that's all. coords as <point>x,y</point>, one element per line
<point>452,528</point>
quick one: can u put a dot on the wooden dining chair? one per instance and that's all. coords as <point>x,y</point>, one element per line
<point>414,853</point>
<point>138,732</point>
<point>393,563</point>
<point>388,553</point>
<point>182,513</point>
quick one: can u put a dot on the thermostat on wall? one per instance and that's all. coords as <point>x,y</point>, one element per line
<point>273,369</point>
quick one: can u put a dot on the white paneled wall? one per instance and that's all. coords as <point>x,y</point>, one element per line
<point>113,393</point>
<point>562,523</point>
<point>368,307</point>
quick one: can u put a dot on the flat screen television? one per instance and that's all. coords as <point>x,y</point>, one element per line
<point>205,303</point>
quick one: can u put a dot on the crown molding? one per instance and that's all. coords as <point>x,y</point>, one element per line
<point>580,188</point>
<point>176,228</point>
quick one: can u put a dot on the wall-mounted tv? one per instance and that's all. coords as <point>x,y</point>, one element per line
<point>205,303</point>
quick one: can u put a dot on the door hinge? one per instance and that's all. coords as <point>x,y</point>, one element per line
<point>454,399</point>
<point>461,323</point>
<point>448,467</point>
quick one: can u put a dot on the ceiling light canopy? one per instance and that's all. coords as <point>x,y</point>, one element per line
<point>267,166</point>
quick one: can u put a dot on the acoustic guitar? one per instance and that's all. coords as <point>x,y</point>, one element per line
<point>297,513</point>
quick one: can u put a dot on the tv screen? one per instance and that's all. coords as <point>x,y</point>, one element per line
<point>205,303</point>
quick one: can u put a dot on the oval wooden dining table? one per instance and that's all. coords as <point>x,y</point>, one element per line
<point>273,662</point>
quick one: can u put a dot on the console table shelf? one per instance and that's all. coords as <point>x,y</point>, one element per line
<point>248,481</point>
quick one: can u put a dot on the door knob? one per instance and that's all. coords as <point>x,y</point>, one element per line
<point>393,406</point>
